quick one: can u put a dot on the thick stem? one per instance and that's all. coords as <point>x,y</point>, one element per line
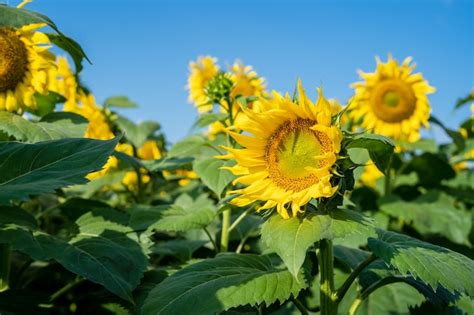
<point>326,270</point>
<point>225,230</point>
<point>5,259</point>
<point>355,273</point>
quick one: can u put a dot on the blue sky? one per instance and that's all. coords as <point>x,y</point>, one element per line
<point>142,48</point>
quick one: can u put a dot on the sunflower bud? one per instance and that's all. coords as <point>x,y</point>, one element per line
<point>219,88</point>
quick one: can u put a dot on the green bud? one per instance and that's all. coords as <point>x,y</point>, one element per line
<point>219,87</point>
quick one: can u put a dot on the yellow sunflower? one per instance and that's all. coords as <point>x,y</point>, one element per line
<point>246,81</point>
<point>63,81</point>
<point>392,101</point>
<point>288,153</point>
<point>201,72</point>
<point>370,175</point>
<point>24,65</point>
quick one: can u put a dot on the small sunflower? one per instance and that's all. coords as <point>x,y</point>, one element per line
<point>370,175</point>
<point>246,81</point>
<point>201,72</point>
<point>289,149</point>
<point>392,101</point>
<point>24,65</point>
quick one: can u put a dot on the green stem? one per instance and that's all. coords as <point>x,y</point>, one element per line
<point>5,252</point>
<point>225,230</point>
<point>66,288</point>
<point>326,269</point>
<point>355,273</point>
<point>240,218</point>
<point>388,179</point>
<point>211,239</point>
<point>369,290</point>
<point>300,306</point>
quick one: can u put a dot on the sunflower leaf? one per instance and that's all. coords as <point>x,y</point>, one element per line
<point>137,134</point>
<point>51,127</point>
<point>380,148</point>
<point>291,238</point>
<point>30,169</point>
<point>218,284</point>
<point>211,174</point>
<point>429,263</point>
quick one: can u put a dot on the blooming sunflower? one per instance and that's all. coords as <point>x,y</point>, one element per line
<point>288,152</point>
<point>246,81</point>
<point>63,81</point>
<point>201,72</point>
<point>24,64</point>
<point>370,175</point>
<point>392,101</point>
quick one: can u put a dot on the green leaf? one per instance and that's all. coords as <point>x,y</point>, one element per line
<point>14,17</point>
<point>31,169</point>
<point>189,146</point>
<point>211,174</point>
<point>119,101</point>
<point>208,118</point>
<point>182,249</point>
<point>185,214</point>
<point>424,166</point>
<point>457,138</point>
<point>429,263</point>
<point>169,164</point>
<point>423,145</point>
<point>465,100</point>
<point>71,47</point>
<point>218,284</point>
<point>137,134</point>
<point>291,238</point>
<point>380,148</point>
<point>45,104</point>
<point>431,213</point>
<point>51,127</point>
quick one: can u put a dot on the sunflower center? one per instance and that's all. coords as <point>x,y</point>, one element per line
<point>291,154</point>
<point>13,59</point>
<point>393,101</point>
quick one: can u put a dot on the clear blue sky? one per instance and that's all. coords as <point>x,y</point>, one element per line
<point>142,48</point>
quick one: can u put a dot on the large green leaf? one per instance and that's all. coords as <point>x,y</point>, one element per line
<point>210,172</point>
<point>182,249</point>
<point>218,284</point>
<point>189,146</point>
<point>431,213</point>
<point>169,164</point>
<point>429,263</point>
<point>30,169</point>
<point>14,17</point>
<point>185,214</point>
<point>51,127</point>
<point>380,148</point>
<point>137,134</point>
<point>291,238</point>
<point>104,250</point>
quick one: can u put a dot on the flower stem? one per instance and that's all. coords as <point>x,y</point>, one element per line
<point>66,288</point>
<point>355,273</point>
<point>326,269</point>
<point>300,306</point>
<point>211,239</point>
<point>5,258</point>
<point>225,230</point>
<point>388,179</point>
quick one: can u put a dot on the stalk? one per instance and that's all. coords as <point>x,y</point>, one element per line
<point>5,258</point>
<point>326,269</point>
<point>225,230</point>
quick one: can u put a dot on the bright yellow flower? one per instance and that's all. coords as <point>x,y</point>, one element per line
<point>185,176</point>
<point>149,151</point>
<point>288,153</point>
<point>392,101</point>
<point>370,175</point>
<point>131,179</point>
<point>201,72</point>
<point>24,65</point>
<point>63,81</point>
<point>246,81</point>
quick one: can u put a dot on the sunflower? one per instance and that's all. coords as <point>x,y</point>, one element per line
<point>246,81</point>
<point>24,65</point>
<point>288,153</point>
<point>392,101</point>
<point>201,72</point>
<point>370,175</point>
<point>63,81</point>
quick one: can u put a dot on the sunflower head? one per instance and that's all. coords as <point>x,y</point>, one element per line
<point>24,65</point>
<point>201,72</point>
<point>289,149</point>
<point>246,81</point>
<point>392,101</point>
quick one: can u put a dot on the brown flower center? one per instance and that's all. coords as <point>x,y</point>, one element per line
<point>13,59</point>
<point>393,101</point>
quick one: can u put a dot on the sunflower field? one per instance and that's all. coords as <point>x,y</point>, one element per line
<point>276,204</point>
